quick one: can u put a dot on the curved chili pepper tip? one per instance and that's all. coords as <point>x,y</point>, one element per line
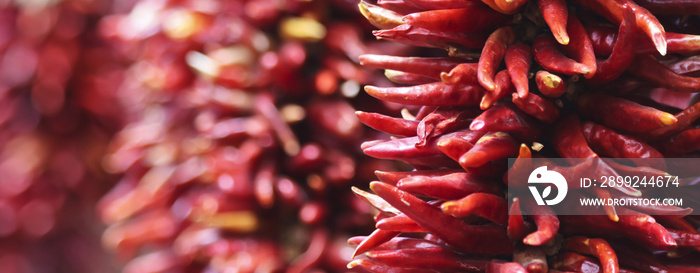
<point>668,119</point>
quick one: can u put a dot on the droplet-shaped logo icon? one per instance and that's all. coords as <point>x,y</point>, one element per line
<point>541,176</point>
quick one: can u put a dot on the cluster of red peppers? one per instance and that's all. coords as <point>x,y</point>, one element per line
<point>237,139</point>
<point>528,79</point>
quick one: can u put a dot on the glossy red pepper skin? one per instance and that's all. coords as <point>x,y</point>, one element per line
<point>491,146</point>
<point>428,67</point>
<point>399,223</point>
<point>405,78</point>
<point>595,247</point>
<point>609,143</point>
<point>622,53</point>
<point>684,119</point>
<point>677,7</point>
<point>437,258</point>
<point>614,11</point>
<point>507,118</point>
<point>376,238</point>
<point>509,6</point>
<point>555,14</point>
<point>504,87</point>
<point>387,124</point>
<point>640,228</point>
<point>603,39</point>
<point>476,17</point>
<point>550,85</point>
<point>443,4</point>
<point>538,107</point>
<point>517,227</point>
<point>546,221</point>
<point>447,187</point>
<point>580,47</point>
<point>648,68</point>
<point>623,114</point>
<point>684,142</point>
<point>438,94</point>
<point>443,120</point>
<point>484,205</point>
<point>470,239</point>
<point>492,54</point>
<point>548,54</point>
<point>518,60</point>
<point>410,35</point>
<point>504,267</point>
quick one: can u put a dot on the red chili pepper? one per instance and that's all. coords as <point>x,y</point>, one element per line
<point>399,223</point>
<point>518,60</point>
<point>623,114</point>
<point>491,146</point>
<point>492,54</point>
<point>517,228</point>
<point>484,205</point>
<point>538,107</point>
<point>614,11</point>
<point>603,39</point>
<point>636,258</point>
<point>474,18</point>
<point>436,258</point>
<point>376,202</point>
<point>379,16</point>
<point>437,93</point>
<point>376,238</point>
<point>464,73</point>
<point>504,86</point>
<point>675,7</point>
<point>263,184</point>
<point>510,6</point>
<point>650,69</point>
<point>622,53</point>
<point>443,120</point>
<point>401,6</point>
<point>405,78</point>
<point>639,227</point>
<point>612,144</point>
<point>470,239</point>
<point>550,85</point>
<point>447,187</point>
<point>533,259</point>
<point>580,47</point>
<point>492,4</point>
<point>595,247</point>
<point>378,267</point>
<point>684,142</point>
<point>507,118</point>
<point>454,147</point>
<point>410,35</point>
<point>496,266</point>
<point>550,57</point>
<point>685,118</point>
<point>428,67</point>
<point>555,14</point>
<point>569,142</point>
<point>546,221</point>
<point>522,167</point>
<point>443,4</point>
<point>394,177</point>
<point>572,262</point>
<point>387,124</point>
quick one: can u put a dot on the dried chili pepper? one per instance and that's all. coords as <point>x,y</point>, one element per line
<point>648,68</point>
<point>550,57</point>
<point>474,18</point>
<point>492,54</point>
<point>608,110</point>
<point>550,85</point>
<point>518,59</point>
<point>555,13</point>
<point>484,205</point>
